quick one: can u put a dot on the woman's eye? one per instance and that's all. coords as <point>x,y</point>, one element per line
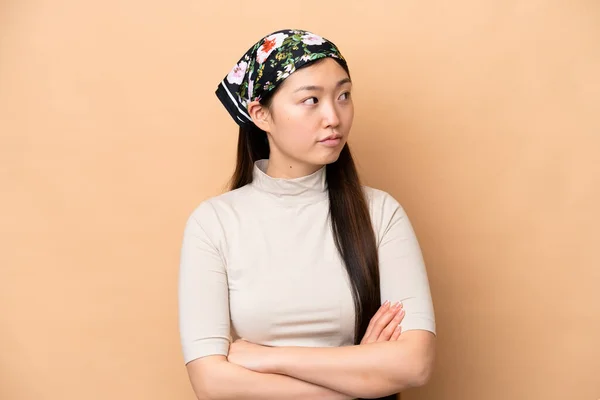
<point>345,96</point>
<point>311,101</point>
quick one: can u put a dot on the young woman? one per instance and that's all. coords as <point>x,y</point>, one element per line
<point>300,283</point>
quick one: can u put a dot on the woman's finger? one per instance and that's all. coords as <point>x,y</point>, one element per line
<point>396,333</point>
<point>382,322</point>
<point>388,330</point>
<point>383,309</point>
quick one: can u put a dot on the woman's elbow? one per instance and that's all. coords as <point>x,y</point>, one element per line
<point>422,375</point>
<point>204,377</point>
<point>422,356</point>
<point>202,395</point>
<point>203,392</point>
<point>202,388</point>
<point>423,369</point>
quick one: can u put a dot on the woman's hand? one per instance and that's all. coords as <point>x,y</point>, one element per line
<point>385,324</point>
<point>251,356</point>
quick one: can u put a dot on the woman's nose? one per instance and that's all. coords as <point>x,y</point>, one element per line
<point>331,117</point>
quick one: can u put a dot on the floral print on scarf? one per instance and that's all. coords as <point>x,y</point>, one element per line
<point>266,64</point>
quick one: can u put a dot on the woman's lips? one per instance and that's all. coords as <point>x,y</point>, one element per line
<point>331,142</point>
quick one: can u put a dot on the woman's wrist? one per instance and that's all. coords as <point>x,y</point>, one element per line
<point>277,360</point>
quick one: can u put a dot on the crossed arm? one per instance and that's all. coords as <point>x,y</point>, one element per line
<point>384,363</point>
<point>215,378</point>
<point>366,371</point>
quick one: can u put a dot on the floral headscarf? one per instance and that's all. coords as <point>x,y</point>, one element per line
<point>266,64</point>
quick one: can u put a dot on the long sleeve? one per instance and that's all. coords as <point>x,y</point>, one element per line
<point>204,322</point>
<point>402,270</point>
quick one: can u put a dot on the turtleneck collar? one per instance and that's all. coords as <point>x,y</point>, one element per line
<point>306,189</point>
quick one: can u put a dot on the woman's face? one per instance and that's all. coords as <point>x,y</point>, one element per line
<point>310,116</point>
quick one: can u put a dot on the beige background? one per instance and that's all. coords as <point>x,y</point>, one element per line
<point>481,117</point>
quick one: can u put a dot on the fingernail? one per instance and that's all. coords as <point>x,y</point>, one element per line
<point>396,305</point>
<point>386,303</point>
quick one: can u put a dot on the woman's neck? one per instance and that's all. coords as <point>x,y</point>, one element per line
<point>290,169</point>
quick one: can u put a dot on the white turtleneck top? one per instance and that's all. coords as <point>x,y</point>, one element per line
<point>260,263</point>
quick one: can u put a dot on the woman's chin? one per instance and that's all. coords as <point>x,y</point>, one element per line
<point>331,158</point>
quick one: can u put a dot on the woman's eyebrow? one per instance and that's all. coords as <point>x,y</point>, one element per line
<point>320,88</point>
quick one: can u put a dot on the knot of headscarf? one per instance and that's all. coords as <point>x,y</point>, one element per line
<point>267,64</point>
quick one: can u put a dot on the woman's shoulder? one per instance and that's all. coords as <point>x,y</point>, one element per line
<point>383,207</point>
<point>380,199</point>
<point>212,206</point>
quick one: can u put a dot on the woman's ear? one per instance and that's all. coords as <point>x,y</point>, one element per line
<point>259,115</point>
